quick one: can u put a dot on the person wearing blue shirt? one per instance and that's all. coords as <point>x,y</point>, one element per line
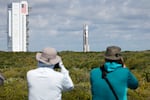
<point>119,76</point>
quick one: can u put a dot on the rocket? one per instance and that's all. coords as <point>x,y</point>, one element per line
<point>85,38</point>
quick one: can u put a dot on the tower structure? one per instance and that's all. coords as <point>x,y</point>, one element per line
<point>85,38</point>
<point>18,26</point>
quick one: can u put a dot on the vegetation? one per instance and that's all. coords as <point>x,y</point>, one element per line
<point>14,66</point>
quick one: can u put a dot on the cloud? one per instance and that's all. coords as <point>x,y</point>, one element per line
<point>55,22</point>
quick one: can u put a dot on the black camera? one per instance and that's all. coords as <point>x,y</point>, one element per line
<point>56,65</point>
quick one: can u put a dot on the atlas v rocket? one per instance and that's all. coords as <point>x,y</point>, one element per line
<point>85,38</point>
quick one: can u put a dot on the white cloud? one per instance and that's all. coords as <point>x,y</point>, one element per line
<point>35,2</point>
<point>121,22</point>
<point>39,21</point>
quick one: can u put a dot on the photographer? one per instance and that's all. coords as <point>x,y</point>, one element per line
<point>112,80</point>
<point>44,82</point>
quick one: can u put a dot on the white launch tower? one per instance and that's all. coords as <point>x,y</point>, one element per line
<point>85,39</point>
<point>18,26</point>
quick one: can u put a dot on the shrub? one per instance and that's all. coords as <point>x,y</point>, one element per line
<point>15,65</point>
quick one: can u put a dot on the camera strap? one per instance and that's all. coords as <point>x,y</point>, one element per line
<point>104,73</point>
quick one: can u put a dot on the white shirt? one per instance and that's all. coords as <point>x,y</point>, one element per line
<point>47,84</point>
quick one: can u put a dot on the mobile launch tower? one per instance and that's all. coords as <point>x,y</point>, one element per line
<point>85,38</point>
<point>18,26</point>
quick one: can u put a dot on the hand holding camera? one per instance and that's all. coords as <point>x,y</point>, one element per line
<point>59,65</point>
<point>56,65</point>
<point>62,67</point>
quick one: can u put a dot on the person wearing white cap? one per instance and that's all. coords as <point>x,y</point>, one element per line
<point>44,83</point>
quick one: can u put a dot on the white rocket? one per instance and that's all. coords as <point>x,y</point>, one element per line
<point>85,38</point>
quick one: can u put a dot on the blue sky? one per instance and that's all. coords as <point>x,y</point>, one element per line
<point>59,24</point>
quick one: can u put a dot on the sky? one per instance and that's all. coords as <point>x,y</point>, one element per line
<point>59,24</point>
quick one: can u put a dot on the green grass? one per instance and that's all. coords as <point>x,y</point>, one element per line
<point>14,67</point>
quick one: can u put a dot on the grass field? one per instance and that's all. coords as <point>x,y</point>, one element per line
<point>14,67</point>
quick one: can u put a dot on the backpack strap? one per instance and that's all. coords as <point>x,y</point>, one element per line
<point>104,74</point>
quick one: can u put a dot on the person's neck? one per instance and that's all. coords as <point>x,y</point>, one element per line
<point>40,64</point>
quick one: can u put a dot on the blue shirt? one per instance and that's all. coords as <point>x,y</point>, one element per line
<point>120,78</point>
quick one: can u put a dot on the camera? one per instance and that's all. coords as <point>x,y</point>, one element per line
<point>56,65</point>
